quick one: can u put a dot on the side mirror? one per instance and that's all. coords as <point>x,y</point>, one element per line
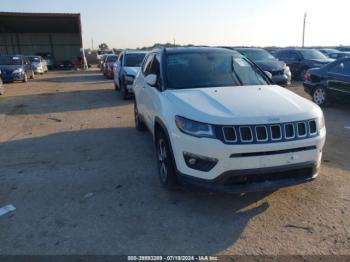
<point>151,79</point>
<point>268,74</point>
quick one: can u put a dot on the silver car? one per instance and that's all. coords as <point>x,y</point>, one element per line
<point>39,65</point>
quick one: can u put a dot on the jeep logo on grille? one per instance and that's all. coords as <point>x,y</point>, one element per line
<point>273,119</point>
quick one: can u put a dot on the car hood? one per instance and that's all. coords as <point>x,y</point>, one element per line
<point>131,70</point>
<point>271,65</point>
<point>242,105</point>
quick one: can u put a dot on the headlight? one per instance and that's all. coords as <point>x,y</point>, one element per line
<point>129,79</point>
<point>321,122</point>
<point>194,128</point>
<point>286,69</point>
<point>18,71</point>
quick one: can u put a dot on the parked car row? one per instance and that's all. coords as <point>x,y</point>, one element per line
<point>20,68</point>
<point>123,69</point>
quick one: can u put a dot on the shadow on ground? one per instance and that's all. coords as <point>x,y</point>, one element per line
<point>61,102</point>
<point>97,192</point>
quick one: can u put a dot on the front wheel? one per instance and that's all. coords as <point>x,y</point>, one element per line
<point>124,91</point>
<point>166,166</point>
<point>319,96</point>
<point>25,78</point>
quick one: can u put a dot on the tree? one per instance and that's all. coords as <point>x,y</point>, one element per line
<point>103,46</point>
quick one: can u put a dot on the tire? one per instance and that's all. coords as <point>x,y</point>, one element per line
<point>115,86</point>
<point>2,88</point>
<point>124,92</point>
<point>319,96</point>
<point>25,78</point>
<point>166,166</point>
<point>139,125</point>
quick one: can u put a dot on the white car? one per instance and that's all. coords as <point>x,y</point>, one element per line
<point>126,69</point>
<point>39,65</point>
<point>218,122</point>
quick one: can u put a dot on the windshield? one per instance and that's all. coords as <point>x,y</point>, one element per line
<point>10,60</point>
<point>111,58</point>
<point>257,54</point>
<point>313,54</point>
<point>34,59</point>
<point>211,69</point>
<point>133,60</point>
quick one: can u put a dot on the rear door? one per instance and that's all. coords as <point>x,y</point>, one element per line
<point>151,94</point>
<point>339,78</point>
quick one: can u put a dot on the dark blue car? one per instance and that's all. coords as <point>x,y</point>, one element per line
<point>15,68</point>
<point>329,83</point>
<point>300,60</point>
<point>280,72</point>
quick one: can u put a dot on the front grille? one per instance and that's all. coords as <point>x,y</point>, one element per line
<point>268,133</point>
<point>246,134</point>
<point>289,131</point>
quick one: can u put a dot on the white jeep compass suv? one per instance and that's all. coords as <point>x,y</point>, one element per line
<point>219,122</point>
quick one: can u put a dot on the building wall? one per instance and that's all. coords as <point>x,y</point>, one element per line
<point>64,46</point>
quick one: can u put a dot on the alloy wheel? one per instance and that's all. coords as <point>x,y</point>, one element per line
<point>162,158</point>
<point>319,96</point>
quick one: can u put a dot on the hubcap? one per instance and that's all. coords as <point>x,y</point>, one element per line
<point>319,96</point>
<point>162,157</point>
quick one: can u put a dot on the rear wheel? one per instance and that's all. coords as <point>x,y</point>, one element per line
<point>139,125</point>
<point>319,96</point>
<point>2,89</point>
<point>115,86</point>
<point>166,166</point>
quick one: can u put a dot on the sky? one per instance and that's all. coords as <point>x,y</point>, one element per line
<point>137,23</point>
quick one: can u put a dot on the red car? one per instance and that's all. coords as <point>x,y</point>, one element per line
<point>108,66</point>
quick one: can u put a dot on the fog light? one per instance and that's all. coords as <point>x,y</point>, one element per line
<point>200,163</point>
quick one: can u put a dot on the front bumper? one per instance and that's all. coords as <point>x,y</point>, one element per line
<point>250,159</point>
<point>12,77</point>
<point>283,80</point>
<point>255,180</point>
<point>39,70</point>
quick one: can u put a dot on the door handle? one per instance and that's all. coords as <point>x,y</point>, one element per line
<point>143,87</point>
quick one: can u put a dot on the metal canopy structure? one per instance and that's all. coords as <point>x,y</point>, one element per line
<point>30,33</point>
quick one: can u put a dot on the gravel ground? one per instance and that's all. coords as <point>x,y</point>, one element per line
<point>84,181</point>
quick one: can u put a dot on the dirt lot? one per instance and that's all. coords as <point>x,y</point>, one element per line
<point>84,181</point>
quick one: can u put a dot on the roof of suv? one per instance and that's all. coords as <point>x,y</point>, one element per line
<point>195,49</point>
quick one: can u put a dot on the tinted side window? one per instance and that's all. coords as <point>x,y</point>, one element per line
<point>147,65</point>
<point>342,68</point>
<point>281,55</point>
<point>121,57</point>
<point>293,56</point>
<point>155,67</point>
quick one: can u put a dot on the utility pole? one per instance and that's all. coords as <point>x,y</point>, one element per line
<point>304,27</point>
<point>174,43</point>
<point>92,43</point>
